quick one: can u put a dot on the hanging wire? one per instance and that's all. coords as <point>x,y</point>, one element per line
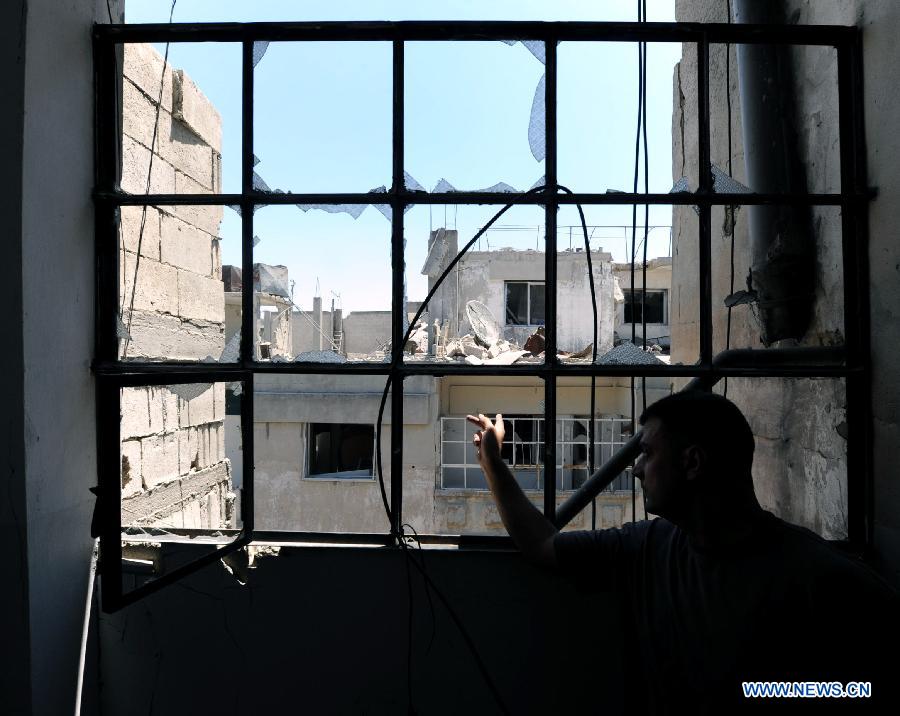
<point>731,174</point>
<point>137,257</point>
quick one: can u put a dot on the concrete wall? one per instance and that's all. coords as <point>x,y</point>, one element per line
<point>175,472</point>
<point>323,631</point>
<point>801,466</point>
<point>48,435</point>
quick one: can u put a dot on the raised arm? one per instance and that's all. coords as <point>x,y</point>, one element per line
<point>531,531</point>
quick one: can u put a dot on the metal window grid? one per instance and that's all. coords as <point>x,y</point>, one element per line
<point>850,362</point>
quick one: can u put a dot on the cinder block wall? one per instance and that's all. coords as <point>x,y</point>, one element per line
<point>174,469</point>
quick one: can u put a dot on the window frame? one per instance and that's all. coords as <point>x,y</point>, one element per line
<point>850,362</point>
<point>529,285</point>
<point>335,476</point>
<point>629,292</point>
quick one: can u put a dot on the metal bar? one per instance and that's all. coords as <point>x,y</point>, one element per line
<point>854,227</point>
<point>475,197</point>
<point>398,301</point>
<point>248,317</point>
<point>248,505</point>
<point>108,512</point>
<point>473,31</point>
<point>248,310</point>
<point>168,578</point>
<point>550,259</point>
<point>705,224</point>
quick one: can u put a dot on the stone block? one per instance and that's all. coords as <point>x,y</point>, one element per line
<point>163,408</point>
<point>130,231</point>
<point>187,247</point>
<point>158,336</point>
<point>136,166</point>
<point>206,218</point>
<point>190,106</point>
<point>198,410</point>
<point>219,402</point>
<point>187,153</point>
<point>139,117</point>
<point>200,297</point>
<point>132,483</point>
<point>135,413</point>
<point>143,65</point>
<point>159,459</point>
<point>188,452</point>
<point>214,509</point>
<point>156,285</point>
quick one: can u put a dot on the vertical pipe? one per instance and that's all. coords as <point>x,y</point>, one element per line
<point>781,243</point>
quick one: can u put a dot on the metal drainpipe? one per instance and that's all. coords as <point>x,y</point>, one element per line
<point>781,241</point>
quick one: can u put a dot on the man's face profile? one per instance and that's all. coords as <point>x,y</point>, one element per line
<point>660,469</point>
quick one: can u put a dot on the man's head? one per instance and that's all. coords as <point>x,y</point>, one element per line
<point>693,442</point>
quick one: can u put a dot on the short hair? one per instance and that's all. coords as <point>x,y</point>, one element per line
<point>709,420</point>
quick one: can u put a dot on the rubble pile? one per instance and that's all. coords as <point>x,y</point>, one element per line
<point>628,354</point>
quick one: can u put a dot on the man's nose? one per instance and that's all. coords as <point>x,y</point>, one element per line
<point>638,470</point>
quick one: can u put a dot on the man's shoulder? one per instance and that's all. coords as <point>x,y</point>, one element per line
<point>821,562</point>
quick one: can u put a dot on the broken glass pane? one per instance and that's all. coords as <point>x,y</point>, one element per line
<point>444,137</point>
<point>320,107</point>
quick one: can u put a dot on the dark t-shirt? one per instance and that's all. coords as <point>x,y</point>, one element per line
<point>783,605</point>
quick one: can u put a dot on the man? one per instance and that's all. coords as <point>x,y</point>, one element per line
<point>719,591</point>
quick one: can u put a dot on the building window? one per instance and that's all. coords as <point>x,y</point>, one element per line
<point>654,307</point>
<point>525,303</point>
<point>340,451</point>
<point>523,451</point>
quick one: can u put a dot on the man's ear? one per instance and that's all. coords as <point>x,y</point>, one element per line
<point>693,461</point>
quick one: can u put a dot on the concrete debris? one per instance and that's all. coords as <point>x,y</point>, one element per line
<point>320,357</point>
<point>271,279</point>
<point>584,352</point>
<point>473,360</point>
<point>536,342</point>
<point>627,354</point>
<point>506,358</point>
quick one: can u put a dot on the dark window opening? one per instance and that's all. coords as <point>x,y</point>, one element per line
<point>653,307</point>
<point>341,451</point>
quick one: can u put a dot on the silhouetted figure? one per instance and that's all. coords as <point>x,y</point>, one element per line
<point>718,590</point>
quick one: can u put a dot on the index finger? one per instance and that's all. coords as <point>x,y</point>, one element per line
<point>482,421</point>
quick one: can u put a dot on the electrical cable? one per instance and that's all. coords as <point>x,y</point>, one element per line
<point>137,256</point>
<point>399,535</point>
<point>731,174</point>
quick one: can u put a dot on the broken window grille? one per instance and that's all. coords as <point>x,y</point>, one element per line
<point>847,362</point>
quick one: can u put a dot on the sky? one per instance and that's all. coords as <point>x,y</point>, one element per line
<point>322,123</point>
